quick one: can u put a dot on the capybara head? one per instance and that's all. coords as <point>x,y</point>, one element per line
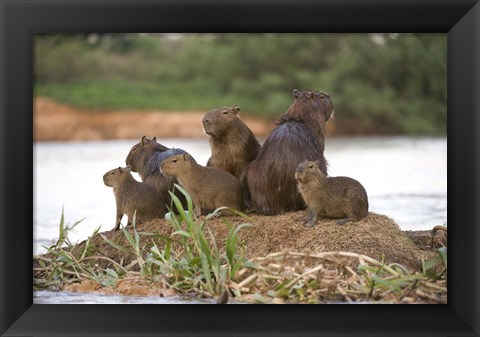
<point>310,106</point>
<point>308,170</point>
<point>216,121</point>
<point>140,151</point>
<point>176,164</point>
<point>116,176</point>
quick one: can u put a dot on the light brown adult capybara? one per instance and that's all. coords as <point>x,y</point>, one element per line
<point>341,198</point>
<point>299,136</point>
<point>209,187</point>
<point>145,158</point>
<point>233,144</point>
<point>132,195</point>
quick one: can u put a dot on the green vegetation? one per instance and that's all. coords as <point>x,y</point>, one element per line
<point>192,261</point>
<point>380,83</point>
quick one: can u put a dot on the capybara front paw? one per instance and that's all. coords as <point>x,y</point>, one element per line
<point>307,219</point>
<point>309,224</point>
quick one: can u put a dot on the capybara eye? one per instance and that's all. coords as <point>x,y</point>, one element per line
<point>311,166</point>
<point>174,161</point>
<point>134,149</point>
<point>225,112</point>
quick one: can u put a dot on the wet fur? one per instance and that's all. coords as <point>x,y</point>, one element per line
<point>299,136</point>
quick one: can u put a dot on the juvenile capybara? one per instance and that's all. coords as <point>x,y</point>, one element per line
<point>132,195</point>
<point>145,158</point>
<point>341,198</point>
<point>208,187</point>
<point>233,144</point>
<point>299,135</point>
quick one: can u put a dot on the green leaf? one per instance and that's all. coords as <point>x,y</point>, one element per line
<point>167,253</point>
<point>129,237</point>
<point>182,233</point>
<point>115,244</point>
<point>206,272</point>
<point>443,255</point>
<point>111,273</point>
<point>426,265</point>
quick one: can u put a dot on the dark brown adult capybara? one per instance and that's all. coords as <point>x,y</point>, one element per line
<point>132,195</point>
<point>209,187</point>
<point>299,136</point>
<point>341,198</point>
<point>233,144</point>
<point>145,158</point>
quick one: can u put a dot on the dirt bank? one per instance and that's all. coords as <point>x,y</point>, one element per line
<point>54,121</point>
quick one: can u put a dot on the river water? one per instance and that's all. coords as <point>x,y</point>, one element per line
<point>405,179</point>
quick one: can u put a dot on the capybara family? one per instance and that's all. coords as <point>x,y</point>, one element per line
<point>298,136</point>
<point>208,187</point>
<point>341,198</point>
<point>233,144</point>
<point>287,173</point>
<point>132,195</point>
<point>145,158</point>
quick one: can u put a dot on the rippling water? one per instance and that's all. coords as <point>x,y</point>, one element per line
<point>405,179</point>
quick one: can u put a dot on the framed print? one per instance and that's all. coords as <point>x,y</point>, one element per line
<point>21,20</point>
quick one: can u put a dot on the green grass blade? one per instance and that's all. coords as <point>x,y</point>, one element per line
<point>115,245</point>
<point>187,196</point>
<point>181,232</point>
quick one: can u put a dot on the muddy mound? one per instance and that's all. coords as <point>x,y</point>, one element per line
<point>376,236</point>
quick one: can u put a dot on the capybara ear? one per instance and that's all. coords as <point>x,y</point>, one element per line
<point>120,169</point>
<point>144,140</point>
<point>318,162</point>
<point>310,94</point>
<point>295,93</point>
<point>154,139</point>
<point>185,157</point>
<point>236,109</point>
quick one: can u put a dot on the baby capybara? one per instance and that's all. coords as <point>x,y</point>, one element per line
<point>299,135</point>
<point>341,198</point>
<point>145,158</point>
<point>132,195</point>
<point>208,187</point>
<point>233,144</point>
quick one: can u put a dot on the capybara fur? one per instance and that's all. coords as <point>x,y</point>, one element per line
<point>341,198</point>
<point>209,187</point>
<point>145,158</point>
<point>132,195</point>
<point>298,136</point>
<point>233,144</point>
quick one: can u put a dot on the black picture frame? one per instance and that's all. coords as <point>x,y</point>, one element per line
<point>19,20</point>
